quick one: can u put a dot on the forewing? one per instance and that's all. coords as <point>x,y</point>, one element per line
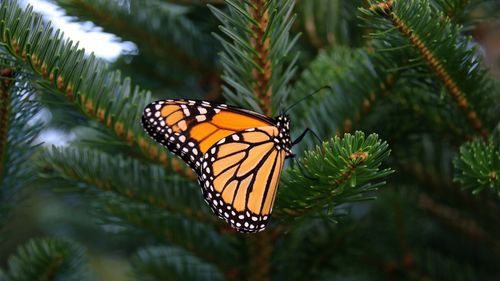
<point>189,128</point>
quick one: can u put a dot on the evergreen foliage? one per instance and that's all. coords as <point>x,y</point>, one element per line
<point>17,136</point>
<point>170,263</point>
<point>44,259</point>
<point>444,49</point>
<point>397,92</point>
<point>163,30</point>
<point>17,133</point>
<point>257,60</point>
<point>478,165</point>
<point>330,22</point>
<point>335,110</point>
<point>342,170</point>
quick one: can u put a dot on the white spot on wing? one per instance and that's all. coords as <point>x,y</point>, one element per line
<point>182,125</point>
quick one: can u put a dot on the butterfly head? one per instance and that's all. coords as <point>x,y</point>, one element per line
<point>283,139</point>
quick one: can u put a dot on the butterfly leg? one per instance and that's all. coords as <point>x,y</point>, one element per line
<point>299,138</point>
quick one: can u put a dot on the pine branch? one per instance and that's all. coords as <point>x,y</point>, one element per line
<point>86,82</point>
<point>196,237</point>
<point>447,53</point>
<point>125,177</point>
<point>170,35</point>
<point>432,182</point>
<point>342,171</point>
<point>319,247</point>
<point>171,263</point>
<point>257,69</point>
<point>458,221</point>
<point>45,260</point>
<point>426,163</point>
<point>478,165</point>
<point>141,197</point>
<point>330,22</point>
<point>17,136</point>
<point>345,106</point>
<point>195,2</point>
<point>18,132</point>
<point>458,10</point>
<point>260,249</point>
<point>393,221</point>
<point>5,81</point>
<point>444,266</point>
<point>256,59</point>
<point>6,75</point>
<point>261,45</point>
<point>418,113</point>
<point>385,243</point>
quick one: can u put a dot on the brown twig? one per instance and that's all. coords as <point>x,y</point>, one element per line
<point>129,194</point>
<point>453,218</point>
<point>434,182</point>
<point>89,107</point>
<point>260,250</point>
<point>196,2</point>
<point>387,9</point>
<point>357,159</point>
<point>153,43</point>
<point>169,236</point>
<point>368,103</point>
<point>5,82</point>
<point>262,74</point>
<point>52,269</point>
<point>312,32</point>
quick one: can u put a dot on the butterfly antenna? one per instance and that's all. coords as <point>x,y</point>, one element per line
<point>308,96</point>
<point>280,105</point>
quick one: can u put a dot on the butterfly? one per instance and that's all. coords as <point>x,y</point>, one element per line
<point>237,154</point>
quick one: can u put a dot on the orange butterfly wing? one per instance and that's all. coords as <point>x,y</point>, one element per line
<point>189,127</point>
<point>240,176</point>
<point>238,155</point>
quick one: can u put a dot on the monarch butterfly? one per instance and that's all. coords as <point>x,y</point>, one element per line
<point>237,154</point>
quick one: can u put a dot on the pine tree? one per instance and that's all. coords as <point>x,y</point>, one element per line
<point>404,184</point>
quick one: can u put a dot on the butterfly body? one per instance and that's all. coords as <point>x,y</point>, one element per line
<point>237,154</point>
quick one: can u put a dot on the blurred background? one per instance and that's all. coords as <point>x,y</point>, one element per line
<point>168,47</point>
